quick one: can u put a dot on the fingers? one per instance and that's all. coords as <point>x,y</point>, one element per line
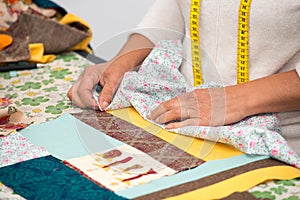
<point>187,122</point>
<point>76,99</point>
<point>183,110</point>
<point>171,110</point>
<point>84,91</point>
<point>81,92</point>
<point>175,114</point>
<point>106,95</point>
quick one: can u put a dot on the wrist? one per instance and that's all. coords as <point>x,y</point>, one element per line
<point>237,106</point>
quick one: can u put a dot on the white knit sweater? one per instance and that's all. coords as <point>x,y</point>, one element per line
<point>274,41</point>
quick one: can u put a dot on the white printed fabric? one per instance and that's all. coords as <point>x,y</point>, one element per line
<point>159,79</point>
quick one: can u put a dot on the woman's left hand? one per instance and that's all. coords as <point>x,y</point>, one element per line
<point>230,104</point>
<point>201,107</point>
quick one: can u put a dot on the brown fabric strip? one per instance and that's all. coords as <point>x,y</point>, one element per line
<point>134,136</point>
<point>241,196</point>
<point>210,180</point>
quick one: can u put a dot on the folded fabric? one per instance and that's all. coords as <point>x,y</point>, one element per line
<point>159,79</point>
<point>56,37</point>
<point>11,9</point>
<point>11,119</point>
<point>74,21</point>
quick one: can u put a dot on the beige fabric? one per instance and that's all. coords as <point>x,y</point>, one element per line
<point>274,43</point>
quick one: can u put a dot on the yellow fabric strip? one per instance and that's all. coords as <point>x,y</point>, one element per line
<point>37,54</point>
<point>240,183</point>
<point>83,45</point>
<point>199,148</point>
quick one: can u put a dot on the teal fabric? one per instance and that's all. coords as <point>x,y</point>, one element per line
<point>48,178</point>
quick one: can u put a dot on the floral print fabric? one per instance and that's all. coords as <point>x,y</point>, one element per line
<point>15,148</point>
<point>41,93</point>
<point>158,80</point>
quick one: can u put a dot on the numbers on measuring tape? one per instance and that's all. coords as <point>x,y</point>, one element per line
<point>242,43</point>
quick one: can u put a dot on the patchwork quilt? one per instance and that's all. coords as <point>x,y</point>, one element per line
<point>70,153</point>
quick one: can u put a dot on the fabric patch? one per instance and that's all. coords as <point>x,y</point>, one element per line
<point>49,177</point>
<point>241,182</point>
<point>206,169</point>
<point>32,27</point>
<point>120,168</point>
<point>140,139</point>
<point>19,49</point>
<point>241,195</point>
<point>49,32</point>
<point>159,79</point>
<point>15,148</point>
<point>41,93</point>
<point>278,189</point>
<point>67,137</point>
<point>210,180</point>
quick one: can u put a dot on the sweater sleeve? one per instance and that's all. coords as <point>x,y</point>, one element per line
<point>163,21</point>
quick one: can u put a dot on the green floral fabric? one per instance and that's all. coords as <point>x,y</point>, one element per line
<point>280,189</point>
<point>41,93</point>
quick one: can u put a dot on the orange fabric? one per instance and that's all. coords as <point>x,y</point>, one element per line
<point>5,40</point>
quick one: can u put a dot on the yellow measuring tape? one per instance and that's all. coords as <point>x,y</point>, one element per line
<point>242,47</point>
<point>242,50</point>
<point>195,41</point>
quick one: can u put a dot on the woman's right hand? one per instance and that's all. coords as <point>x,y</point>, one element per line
<point>106,74</point>
<point>110,74</point>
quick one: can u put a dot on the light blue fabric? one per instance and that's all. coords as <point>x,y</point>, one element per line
<point>67,137</point>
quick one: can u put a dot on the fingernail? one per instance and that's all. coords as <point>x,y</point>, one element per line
<point>104,105</point>
<point>169,126</point>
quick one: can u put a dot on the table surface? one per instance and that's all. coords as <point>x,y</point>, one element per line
<point>41,93</point>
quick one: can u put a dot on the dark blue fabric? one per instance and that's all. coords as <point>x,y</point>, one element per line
<point>48,178</point>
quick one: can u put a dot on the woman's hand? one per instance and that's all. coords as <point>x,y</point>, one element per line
<point>106,74</point>
<point>201,107</point>
<point>110,74</point>
<point>227,105</point>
